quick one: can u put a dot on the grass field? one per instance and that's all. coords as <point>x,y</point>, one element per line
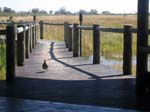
<point>111,43</point>
<point>2,60</point>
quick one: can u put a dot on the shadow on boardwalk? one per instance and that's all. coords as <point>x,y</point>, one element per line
<point>93,76</point>
<point>109,92</point>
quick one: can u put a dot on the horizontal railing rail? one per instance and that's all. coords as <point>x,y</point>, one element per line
<point>25,35</point>
<point>72,35</point>
<point>113,30</point>
<point>104,29</point>
<point>85,27</point>
<point>28,25</point>
<point>61,24</point>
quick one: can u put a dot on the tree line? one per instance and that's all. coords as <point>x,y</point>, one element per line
<point>62,11</point>
<point>36,11</point>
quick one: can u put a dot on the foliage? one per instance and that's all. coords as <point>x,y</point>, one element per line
<point>35,11</point>
<point>62,11</point>
<point>8,11</point>
<point>2,60</point>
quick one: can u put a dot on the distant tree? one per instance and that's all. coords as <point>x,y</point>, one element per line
<point>35,11</point>
<point>43,12</point>
<point>13,11</point>
<point>82,11</point>
<point>93,11</point>
<point>8,11</point>
<point>23,13</point>
<point>106,12</point>
<point>69,13</point>
<point>62,11</point>
<point>50,12</point>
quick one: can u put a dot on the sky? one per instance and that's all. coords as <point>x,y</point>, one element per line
<point>114,6</point>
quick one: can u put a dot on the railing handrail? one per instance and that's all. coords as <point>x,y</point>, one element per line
<point>85,27</point>
<point>18,23</point>
<point>106,29</point>
<point>46,23</point>
<point>27,25</point>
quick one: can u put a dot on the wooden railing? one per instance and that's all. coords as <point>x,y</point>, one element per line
<point>20,37</point>
<point>127,42</point>
<point>26,37</point>
<point>71,34</point>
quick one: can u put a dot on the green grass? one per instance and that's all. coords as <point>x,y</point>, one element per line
<point>2,61</point>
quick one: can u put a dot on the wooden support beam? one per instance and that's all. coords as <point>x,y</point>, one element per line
<point>75,41</point>
<point>36,34</point>
<point>142,41</point>
<point>33,37</point>
<point>34,18</point>
<point>70,38</point>
<point>27,40</point>
<point>10,52</point>
<point>21,48</point>
<point>41,30</point>
<point>127,50</point>
<point>66,33</point>
<point>30,36</point>
<point>96,44</point>
<point>80,19</point>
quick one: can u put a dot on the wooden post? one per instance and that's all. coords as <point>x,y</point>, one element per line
<point>96,44</point>
<point>36,34</point>
<point>30,36</point>
<point>75,41</point>
<point>34,18</point>
<point>34,30</point>
<point>80,19</point>
<point>27,40</point>
<point>70,38</point>
<point>127,52</point>
<point>10,52</point>
<point>41,30</point>
<point>66,33</point>
<point>21,47</point>
<point>142,41</point>
<point>33,36</point>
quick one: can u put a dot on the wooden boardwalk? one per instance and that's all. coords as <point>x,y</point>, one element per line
<point>71,80</point>
<point>62,65</point>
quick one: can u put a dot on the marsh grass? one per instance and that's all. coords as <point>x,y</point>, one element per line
<point>2,61</point>
<point>54,33</point>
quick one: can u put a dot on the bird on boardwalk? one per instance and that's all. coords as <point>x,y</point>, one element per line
<point>44,66</point>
